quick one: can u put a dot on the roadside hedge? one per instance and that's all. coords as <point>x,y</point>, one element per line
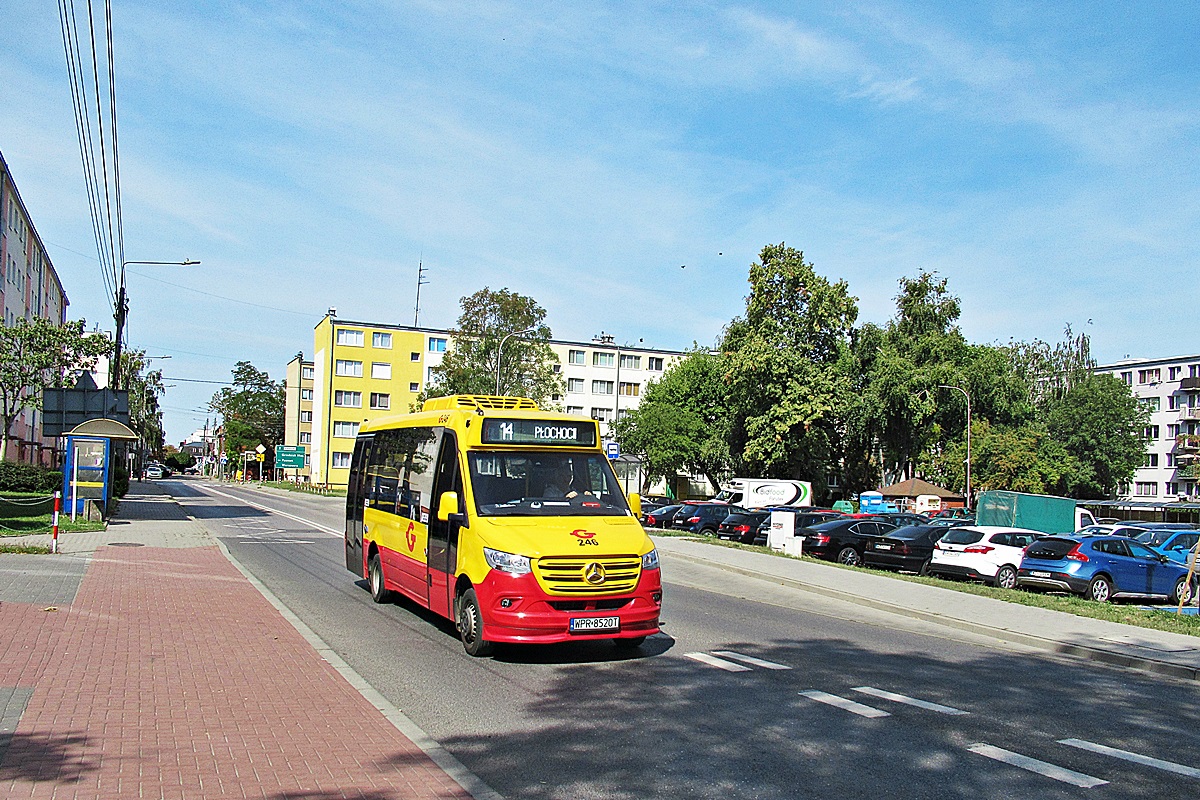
<point>28,478</point>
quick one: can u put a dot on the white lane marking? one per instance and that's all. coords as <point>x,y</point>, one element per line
<point>843,703</point>
<point>260,507</point>
<point>713,661</point>
<point>1033,765</point>
<point>911,701</point>
<point>751,660</point>
<point>1136,758</point>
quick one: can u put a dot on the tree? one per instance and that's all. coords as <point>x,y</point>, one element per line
<point>145,387</point>
<point>253,411</point>
<point>682,422</point>
<point>787,368</point>
<point>39,354</point>
<point>1102,426</point>
<point>490,319</point>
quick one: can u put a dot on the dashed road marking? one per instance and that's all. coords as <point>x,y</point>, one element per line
<point>713,661</point>
<point>751,660</point>
<point>1136,758</point>
<point>1033,765</point>
<point>911,701</point>
<point>843,703</point>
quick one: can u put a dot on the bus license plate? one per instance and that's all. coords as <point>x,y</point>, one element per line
<point>589,624</point>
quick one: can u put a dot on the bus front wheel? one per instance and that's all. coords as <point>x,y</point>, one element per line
<point>470,625</point>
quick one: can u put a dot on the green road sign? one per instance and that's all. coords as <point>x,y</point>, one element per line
<point>289,457</point>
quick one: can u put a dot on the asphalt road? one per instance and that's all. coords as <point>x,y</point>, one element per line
<point>754,691</point>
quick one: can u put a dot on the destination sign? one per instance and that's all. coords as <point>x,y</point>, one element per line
<point>530,431</point>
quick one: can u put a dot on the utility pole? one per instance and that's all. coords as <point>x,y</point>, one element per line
<point>421,280</point>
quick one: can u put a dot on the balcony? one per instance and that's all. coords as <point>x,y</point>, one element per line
<point>1187,443</point>
<point>1190,471</point>
<point>1190,384</point>
<point>1189,414</point>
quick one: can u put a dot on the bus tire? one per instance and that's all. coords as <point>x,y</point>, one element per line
<point>375,579</point>
<point>470,625</point>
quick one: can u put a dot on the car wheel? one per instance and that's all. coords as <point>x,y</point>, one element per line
<point>375,578</point>
<point>1182,593</point>
<point>1100,589</point>
<point>849,556</point>
<point>470,625</point>
<point>924,570</point>
<point>629,643</point>
<point>1006,577</point>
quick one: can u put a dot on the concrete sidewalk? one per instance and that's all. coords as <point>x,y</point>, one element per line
<point>140,662</point>
<point>1159,652</point>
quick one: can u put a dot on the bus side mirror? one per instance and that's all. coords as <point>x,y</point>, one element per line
<point>448,506</point>
<point>635,504</point>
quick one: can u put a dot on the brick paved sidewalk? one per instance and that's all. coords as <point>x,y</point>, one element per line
<point>170,676</point>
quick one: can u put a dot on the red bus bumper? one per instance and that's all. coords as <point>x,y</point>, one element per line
<point>516,610</point>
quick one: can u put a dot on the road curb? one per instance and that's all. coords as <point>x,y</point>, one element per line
<point>1050,645</point>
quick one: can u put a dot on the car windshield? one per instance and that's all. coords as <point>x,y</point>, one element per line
<point>1154,538</point>
<point>962,536</point>
<point>544,484</point>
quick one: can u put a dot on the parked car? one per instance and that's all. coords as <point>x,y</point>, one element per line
<point>982,553</point>
<point>661,517</point>
<point>1112,529</point>
<point>743,526</point>
<point>951,522</point>
<point>902,518</point>
<point>908,548</point>
<point>843,540</point>
<point>154,471</point>
<point>1175,545</point>
<point>1102,568</point>
<point>805,518</point>
<point>703,517</point>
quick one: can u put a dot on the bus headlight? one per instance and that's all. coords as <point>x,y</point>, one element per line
<point>507,562</point>
<point>650,560</point>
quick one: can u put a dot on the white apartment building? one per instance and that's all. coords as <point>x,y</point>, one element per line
<point>1170,389</point>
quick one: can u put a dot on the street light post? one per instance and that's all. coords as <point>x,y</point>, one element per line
<point>968,396</point>
<point>114,373</point>
<point>500,350</point>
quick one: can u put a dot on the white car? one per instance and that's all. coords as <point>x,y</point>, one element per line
<point>983,553</point>
<point>154,471</point>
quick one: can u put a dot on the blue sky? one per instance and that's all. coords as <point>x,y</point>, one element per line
<point>1043,157</point>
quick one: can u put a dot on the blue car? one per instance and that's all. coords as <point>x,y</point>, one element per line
<point>1101,568</point>
<point>1174,544</point>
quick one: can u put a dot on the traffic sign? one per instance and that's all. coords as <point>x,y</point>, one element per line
<point>260,457</point>
<point>613,449</point>
<point>289,457</point>
<point>260,450</point>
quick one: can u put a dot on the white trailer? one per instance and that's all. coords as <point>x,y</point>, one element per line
<point>762,492</point>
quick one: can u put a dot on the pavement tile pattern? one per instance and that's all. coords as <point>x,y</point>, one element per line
<point>170,676</point>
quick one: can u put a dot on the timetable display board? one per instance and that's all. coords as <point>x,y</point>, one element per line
<point>553,433</point>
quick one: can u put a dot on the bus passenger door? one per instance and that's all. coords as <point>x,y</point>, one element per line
<point>443,536</point>
<point>356,495</point>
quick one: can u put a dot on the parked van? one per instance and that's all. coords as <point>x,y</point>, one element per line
<point>927,504</point>
<point>763,492</point>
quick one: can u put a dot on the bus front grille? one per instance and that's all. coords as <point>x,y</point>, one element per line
<point>579,575</point>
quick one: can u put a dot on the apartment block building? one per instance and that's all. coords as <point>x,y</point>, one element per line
<point>364,370</point>
<point>29,289</point>
<point>1169,388</point>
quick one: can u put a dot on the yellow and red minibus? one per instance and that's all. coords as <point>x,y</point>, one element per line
<point>504,518</point>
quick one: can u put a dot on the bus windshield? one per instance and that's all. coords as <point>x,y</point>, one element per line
<point>544,483</point>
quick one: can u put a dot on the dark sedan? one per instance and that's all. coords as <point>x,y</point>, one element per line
<point>843,540</point>
<point>742,526</point>
<point>805,518</point>
<point>909,548</point>
<point>661,517</point>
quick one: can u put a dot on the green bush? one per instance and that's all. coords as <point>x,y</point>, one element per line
<point>120,480</point>
<point>29,478</point>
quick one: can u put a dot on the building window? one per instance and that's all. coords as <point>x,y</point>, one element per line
<point>306,373</point>
<point>576,410</point>
<point>437,345</point>
<point>382,341</point>
<point>1151,432</point>
<point>413,386</point>
<point>631,362</point>
<point>556,397</point>
<point>603,359</point>
<point>307,460</point>
<point>602,387</point>
<point>602,414</point>
<point>1127,377</point>
<point>341,461</point>
<point>380,401</point>
<point>348,369</point>
<point>306,394</point>
<point>305,437</point>
<point>575,357</point>
<point>347,399</point>
<point>1149,375</point>
<point>574,384</point>
<point>557,368</point>
<point>381,371</point>
<point>1172,488</point>
<point>654,363</point>
<point>1146,489</point>
<point>630,389</point>
<point>1151,460</point>
<point>349,338</point>
<point>1173,375</point>
<point>345,430</point>
<point>1151,403</point>
<point>1170,463</point>
<point>1172,431</point>
<point>415,357</point>
<point>306,416</point>
<point>623,413</point>
<point>1172,402</point>
<point>1194,370</point>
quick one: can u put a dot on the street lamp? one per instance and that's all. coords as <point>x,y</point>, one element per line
<point>500,350</point>
<point>123,309</point>
<point>968,396</point>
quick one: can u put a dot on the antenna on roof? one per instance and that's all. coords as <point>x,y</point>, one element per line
<point>421,280</point>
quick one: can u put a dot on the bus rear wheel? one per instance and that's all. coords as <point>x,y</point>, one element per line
<point>375,578</point>
<point>470,625</point>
